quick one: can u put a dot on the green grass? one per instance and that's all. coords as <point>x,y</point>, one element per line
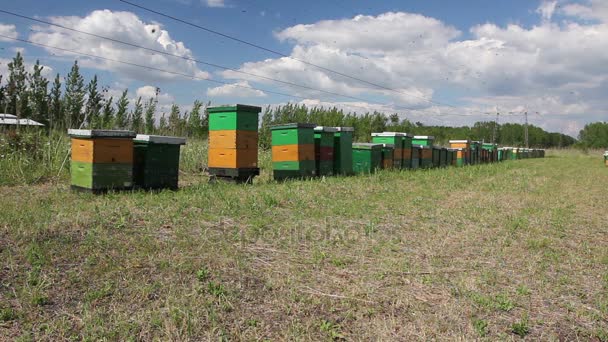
<point>493,251</point>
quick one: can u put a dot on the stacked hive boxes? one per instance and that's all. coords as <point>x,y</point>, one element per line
<point>367,158</point>
<point>475,152</point>
<point>101,160</point>
<point>395,139</point>
<point>426,156</point>
<point>464,151</point>
<point>388,155</point>
<point>407,151</point>
<point>324,150</point>
<point>443,157</point>
<point>436,155</point>
<point>415,157</point>
<point>156,161</point>
<point>293,150</point>
<point>343,151</point>
<point>426,151</point>
<point>233,142</point>
<point>454,154</point>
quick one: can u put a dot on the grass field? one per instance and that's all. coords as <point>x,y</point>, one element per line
<point>503,251</point>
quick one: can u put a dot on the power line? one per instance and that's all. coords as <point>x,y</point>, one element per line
<point>201,62</point>
<point>146,67</point>
<point>206,29</point>
<point>186,57</point>
<point>172,72</point>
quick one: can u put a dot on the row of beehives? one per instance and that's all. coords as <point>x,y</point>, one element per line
<point>103,160</point>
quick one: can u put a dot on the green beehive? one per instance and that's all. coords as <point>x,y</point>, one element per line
<point>156,161</point>
<point>233,118</point>
<point>415,157</point>
<point>293,150</point>
<point>443,157</point>
<point>423,140</point>
<point>395,139</point>
<point>451,157</point>
<point>324,150</point>
<point>475,152</point>
<point>101,160</point>
<point>343,151</point>
<point>367,158</point>
<point>436,151</point>
<point>388,153</point>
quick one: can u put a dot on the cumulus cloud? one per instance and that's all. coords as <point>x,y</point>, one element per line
<point>47,71</point>
<point>589,10</point>
<point>214,3</point>
<point>149,91</point>
<point>239,90</point>
<point>8,31</point>
<point>553,68</point>
<point>123,26</point>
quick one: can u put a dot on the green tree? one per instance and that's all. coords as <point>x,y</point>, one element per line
<point>39,98</point>
<point>121,120</point>
<point>56,117</point>
<point>137,120</point>
<point>149,116</point>
<point>74,97</point>
<point>107,116</point>
<point>594,135</point>
<point>162,124</point>
<point>94,104</point>
<point>16,89</point>
<point>194,120</point>
<point>174,119</point>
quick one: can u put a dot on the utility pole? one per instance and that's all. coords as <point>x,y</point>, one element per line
<point>526,130</point>
<point>495,131</point>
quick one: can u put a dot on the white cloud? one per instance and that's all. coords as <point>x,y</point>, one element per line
<point>123,26</point>
<point>214,3</point>
<point>592,10</point>
<point>147,92</point>
<point>239,90</point>
<point>546,9</point>
<point>8,31</point>
<point>556,68</point>
<point>47,71</point>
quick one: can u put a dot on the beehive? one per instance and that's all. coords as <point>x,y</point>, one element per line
<point>343,150</point>
<point>233,142</point>
<point>426,156</point>
<point>324,150</point>
<point>101,159</point>
<point>436,156</point>
<point>423,140</point>
<point>395,139</point>
<point>293,150</point>
<point>465,156</point>
<point>451,157</point>
<point>443,157</point>
<point>388,153</point>
<point>475,155</point>
<point>415,157</point>
<point>156,161</point>
<point>367,157</point>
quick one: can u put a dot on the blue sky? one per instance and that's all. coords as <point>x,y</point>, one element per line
<point>447,62</point>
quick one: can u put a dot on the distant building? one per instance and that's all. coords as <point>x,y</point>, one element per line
<point>9,121</point>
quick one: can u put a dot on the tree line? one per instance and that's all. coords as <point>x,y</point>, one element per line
<point>71,102</point>
<point>509,134</point>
